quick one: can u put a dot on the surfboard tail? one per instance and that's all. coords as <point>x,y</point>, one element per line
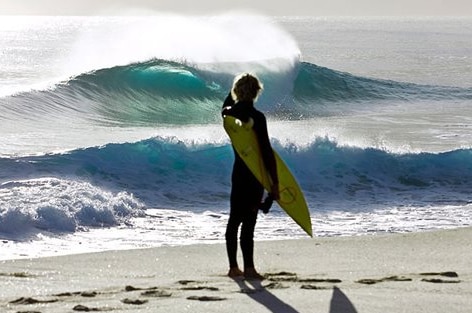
<point>303,221</point>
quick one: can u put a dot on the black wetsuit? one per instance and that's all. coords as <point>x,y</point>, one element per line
<point>246,190</point>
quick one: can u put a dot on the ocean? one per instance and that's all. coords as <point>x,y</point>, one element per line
<point>111,135</point>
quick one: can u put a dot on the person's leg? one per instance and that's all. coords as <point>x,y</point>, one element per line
<point>231,237</point>
<point>247,244</point>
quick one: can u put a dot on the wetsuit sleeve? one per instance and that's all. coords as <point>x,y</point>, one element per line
<point>260,127</point>
<point>227,105</point>
<point>236,110</point>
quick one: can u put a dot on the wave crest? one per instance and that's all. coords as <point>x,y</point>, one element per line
<point>165,172</point>
<point>165,92</point>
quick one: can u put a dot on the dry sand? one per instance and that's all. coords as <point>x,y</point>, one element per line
<point>420,272</point>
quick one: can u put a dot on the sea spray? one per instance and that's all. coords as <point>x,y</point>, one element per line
<point>204,41</point>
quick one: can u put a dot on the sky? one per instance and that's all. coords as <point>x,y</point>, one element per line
<point>267,7</point>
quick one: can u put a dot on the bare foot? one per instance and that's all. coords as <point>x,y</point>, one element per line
<point>235,272</point>
<point>251,273</point>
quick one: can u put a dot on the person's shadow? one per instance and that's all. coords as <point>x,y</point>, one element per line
<point>340,303</point>
<point>254,290</point>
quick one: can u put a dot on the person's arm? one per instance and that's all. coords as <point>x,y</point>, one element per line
<point>227,104</point>
<point>238,110</point>
<point>260,127</point>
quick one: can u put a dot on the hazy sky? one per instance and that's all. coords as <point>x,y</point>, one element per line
<point>269,7</point>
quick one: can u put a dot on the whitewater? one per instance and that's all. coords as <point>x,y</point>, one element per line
<point>111,135</point>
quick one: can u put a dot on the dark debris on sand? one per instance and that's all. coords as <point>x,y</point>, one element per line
<point>292,277</point>
<point>83,308</point>
<point>205,298</point>
<point>449,274</point>
<point>371,281</point>
<point>27,300</point>
<point>134,301</point>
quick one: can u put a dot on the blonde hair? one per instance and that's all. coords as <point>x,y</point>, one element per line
<point>246,87</point>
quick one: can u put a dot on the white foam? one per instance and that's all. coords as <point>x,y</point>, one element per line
<point>60,206</point>
<point>163,227</point>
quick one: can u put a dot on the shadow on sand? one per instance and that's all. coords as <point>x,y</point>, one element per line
<point>257,292</point>
<point>340,303</point>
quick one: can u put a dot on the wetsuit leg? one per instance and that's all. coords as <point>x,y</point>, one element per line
<point>246,194</point>
<point>231,237</point>
<point>247,237</point>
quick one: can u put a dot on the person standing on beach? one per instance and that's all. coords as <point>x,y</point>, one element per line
<point>246,191</point>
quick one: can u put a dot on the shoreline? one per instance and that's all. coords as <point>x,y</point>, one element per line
<point>414,272</point>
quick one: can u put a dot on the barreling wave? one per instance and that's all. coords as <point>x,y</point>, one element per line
<point>166,92</point>
<point>154,92</point>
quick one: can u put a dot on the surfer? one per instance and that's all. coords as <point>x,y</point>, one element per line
<point>246,191</point>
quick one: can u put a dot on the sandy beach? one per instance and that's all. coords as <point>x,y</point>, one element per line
<point>416,272</point>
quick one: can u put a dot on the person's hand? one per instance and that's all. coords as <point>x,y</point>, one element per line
<point>266,205</point>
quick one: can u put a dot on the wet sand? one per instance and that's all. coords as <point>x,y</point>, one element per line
<point>418,272</point>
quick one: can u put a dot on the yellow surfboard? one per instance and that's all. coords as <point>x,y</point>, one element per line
<point>291,199</point>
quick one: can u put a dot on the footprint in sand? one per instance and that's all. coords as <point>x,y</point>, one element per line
<point>371,281</point>
<point>446,274</point>
<point>292,277</point>
<point>86,294</point>
<point>18,275</point>
<point>24,300</point>
<point>449,274</point>
<point>307,283</point>
<point>149,291</point>
<point>194,285</point>
<point>129,288</point>
<point>320,280</point>
<point>187,282</point>
<point>281,277</point>
<point>83,308</point>
<point>134,301</point>
<point>156,293</point>
<point>440,281</point>
<point>315,287</point>
<point>89,294</point>
<point>200,288</point>
<point>205,298</point>
<point>275,285</point>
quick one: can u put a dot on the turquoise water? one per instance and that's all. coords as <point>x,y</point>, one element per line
<point>111,128</point>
